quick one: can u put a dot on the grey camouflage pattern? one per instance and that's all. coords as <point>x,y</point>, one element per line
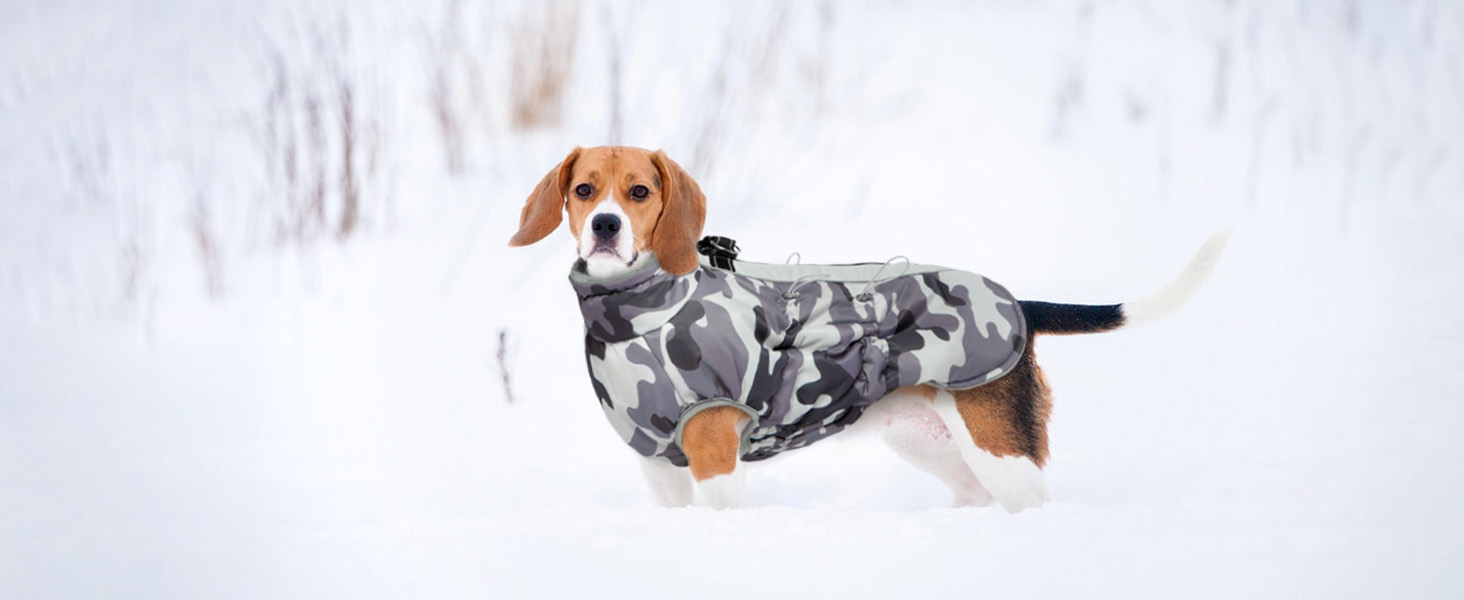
<point>804,358</point>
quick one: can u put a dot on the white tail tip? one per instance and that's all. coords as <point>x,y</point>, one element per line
<point>1164,301</point>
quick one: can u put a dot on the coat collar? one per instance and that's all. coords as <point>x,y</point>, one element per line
<point>633,303</point>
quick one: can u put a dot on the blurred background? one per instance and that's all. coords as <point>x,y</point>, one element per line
<point>261,336</point>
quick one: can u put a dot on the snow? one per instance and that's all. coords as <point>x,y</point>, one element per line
<point>330,421</point>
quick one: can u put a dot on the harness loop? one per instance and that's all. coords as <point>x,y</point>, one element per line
<point>720,251</point>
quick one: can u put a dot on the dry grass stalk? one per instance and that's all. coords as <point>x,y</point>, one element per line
<point>503,358</point>
<point>319,141</point>
<point>205,242</point>
<point>451,68</point>
<point>542,57</point>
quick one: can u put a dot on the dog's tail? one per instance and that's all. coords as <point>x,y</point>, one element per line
<point>1050,317</point>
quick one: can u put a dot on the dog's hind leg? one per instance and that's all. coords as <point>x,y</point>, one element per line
<point>1001,431</point>
<point>670,484</point>
<point>1014,479</point>
<point>909,425</point>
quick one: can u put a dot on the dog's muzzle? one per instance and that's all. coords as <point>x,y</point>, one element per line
<point>605,227</point>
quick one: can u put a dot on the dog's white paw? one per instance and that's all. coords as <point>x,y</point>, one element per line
<point>725,491</point>
<point>971,496</point>
<point>670,484</point>
<point>1015,482</point>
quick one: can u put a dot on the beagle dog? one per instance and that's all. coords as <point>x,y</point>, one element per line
<point>628,207</point>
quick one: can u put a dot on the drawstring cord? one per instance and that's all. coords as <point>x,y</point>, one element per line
<point>721,252</point>
<point>797,259</point>
<point>810,278</point>
<point>867,293</point>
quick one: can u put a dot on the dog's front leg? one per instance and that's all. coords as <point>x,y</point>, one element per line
<point>670,484</point>
<point>712,439</point>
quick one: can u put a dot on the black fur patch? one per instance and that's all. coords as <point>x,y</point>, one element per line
<point>1029,402</point>
<point>1050,317</point>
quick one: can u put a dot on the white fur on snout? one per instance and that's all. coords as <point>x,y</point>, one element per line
<point>623,255</point>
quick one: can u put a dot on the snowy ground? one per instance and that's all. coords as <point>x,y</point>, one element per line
<point>325,419</point>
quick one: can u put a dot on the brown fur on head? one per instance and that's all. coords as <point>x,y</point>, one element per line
<point>545,206</point>
<point>666,219</point>
<point>676,232</point>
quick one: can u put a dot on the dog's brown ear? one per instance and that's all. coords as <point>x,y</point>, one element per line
<point>545,207</point>
<point>683,211</point>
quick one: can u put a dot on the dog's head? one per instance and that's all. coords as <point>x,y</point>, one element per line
<point>623,203</point>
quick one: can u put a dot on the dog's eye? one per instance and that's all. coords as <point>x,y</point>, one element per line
<point>584,190</point>
<point>639,192</point>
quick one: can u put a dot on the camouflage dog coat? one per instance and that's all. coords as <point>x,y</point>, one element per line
<point>802,349</point>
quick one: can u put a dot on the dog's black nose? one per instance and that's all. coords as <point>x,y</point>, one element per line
<point>605,226</point>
